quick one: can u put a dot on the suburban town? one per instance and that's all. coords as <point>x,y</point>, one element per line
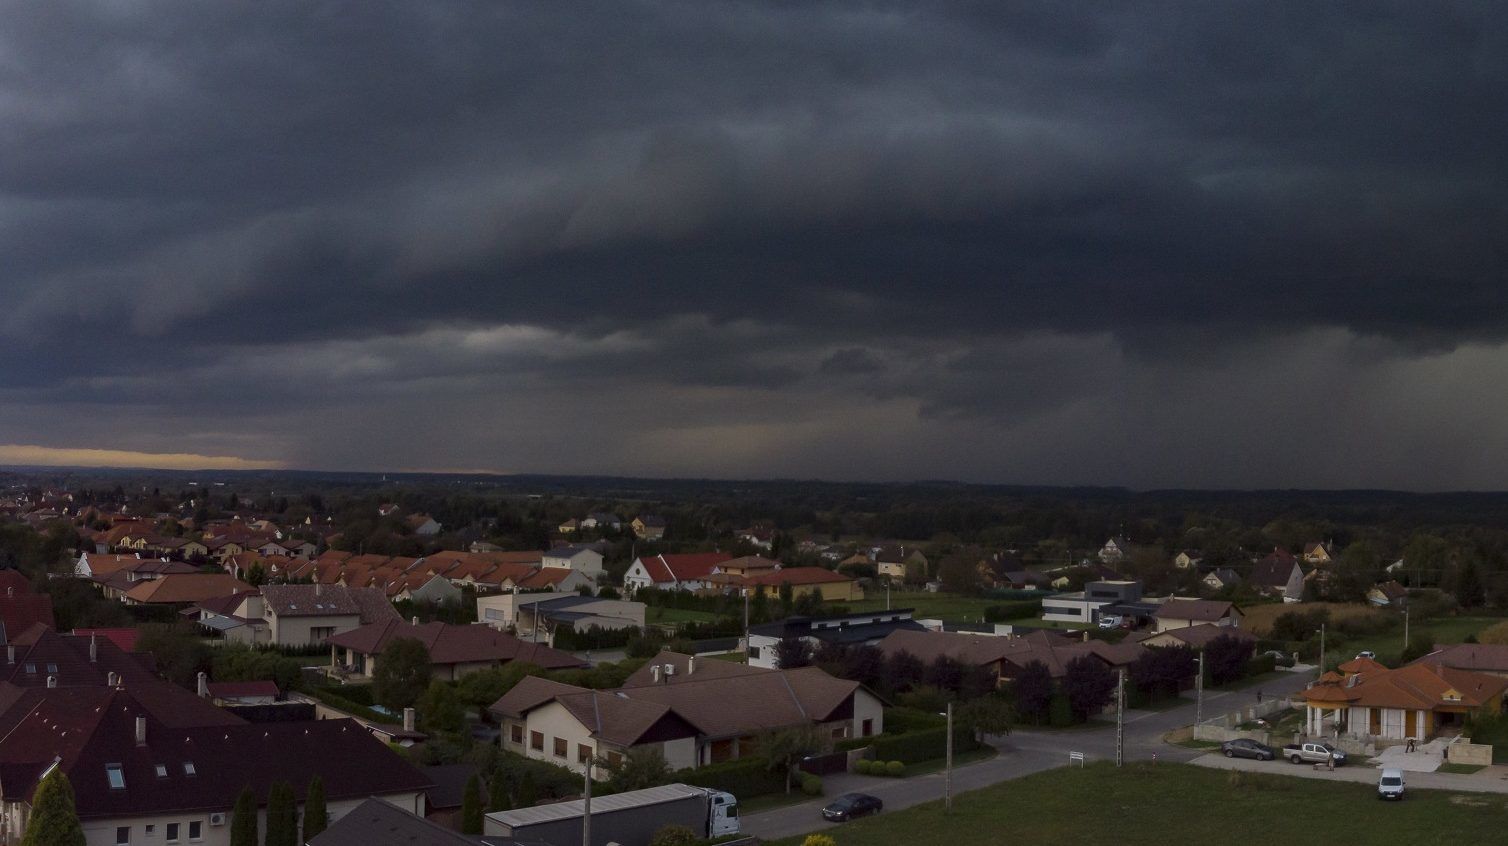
<point>374,660</point>
<point>753,423</point>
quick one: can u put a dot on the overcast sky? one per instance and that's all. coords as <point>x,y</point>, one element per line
<point>1198,244</point>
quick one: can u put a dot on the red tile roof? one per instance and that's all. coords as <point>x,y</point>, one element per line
<point>679,568</point>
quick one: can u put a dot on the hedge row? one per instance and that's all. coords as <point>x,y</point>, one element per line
<point>743,778</point>
<point>355,709</point>
<point>915,746</point>
<point>1013,610</point>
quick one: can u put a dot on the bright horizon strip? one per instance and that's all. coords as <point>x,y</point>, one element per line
<point>88,457</point>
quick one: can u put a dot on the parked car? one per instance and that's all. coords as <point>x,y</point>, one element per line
<point>851,805</point>
<point>1313,753</point>
<point>1246,748</point>
<point>1110,621</point>
<point>1367,653</point>
<point>1390,786</point>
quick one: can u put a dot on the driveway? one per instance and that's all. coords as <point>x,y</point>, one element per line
<point>1479,783</point>
<point>1022,753</point>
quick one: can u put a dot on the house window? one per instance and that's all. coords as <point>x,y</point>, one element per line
<point>196,830</point>
<point>839,733</point>
<point>537,741</point>
<point>116,775</point>
<point>560,747</point>
<point>151,829</point>
<point>868,727</point>
<point>583,753</point>
<point>31,668</point>
<point>614,760</point>
<point>753,653</point>
<point>172,832</point>
<point>321,633</point>
<point>516,731</point>
<point>122,835</point>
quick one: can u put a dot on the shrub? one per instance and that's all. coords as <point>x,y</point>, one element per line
<point>818,840</point>
<point>674,835</point>
<point>1018,610</point>
<point>1262,664</point>
<point>1495,634</point>
<point>743,778</point>
<point>1060,712</point>
<point>895,769</point>
<point>861,766</point>
<point>811,785</point>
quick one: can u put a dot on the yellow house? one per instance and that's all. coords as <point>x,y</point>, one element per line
<point>1367,700</point>
<point>831,586</point>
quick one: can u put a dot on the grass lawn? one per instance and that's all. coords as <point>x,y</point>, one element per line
<point>949,607</point>
<point>1389,646</point>
<point>936,765</point>
<point>1461,769</point>
<point>1152,805</point>
<point>654,614</point>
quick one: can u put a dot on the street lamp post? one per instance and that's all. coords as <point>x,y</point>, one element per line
<point>1322,649</point>
<point>948,765</point>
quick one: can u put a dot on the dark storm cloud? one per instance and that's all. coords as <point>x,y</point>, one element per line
<point>972,214</point>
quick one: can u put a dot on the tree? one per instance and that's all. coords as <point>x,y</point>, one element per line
<point>243,820</point>
<point>178,649</point>
<point>783,748</point>
<point>1032,689</point>
<point>793,652</point>
<point>1088,685</point>
<point>1469,590</point>
<point>471,806</point>
<point>316,816</point>
<point>1226,657</point>
<point>528,791</point>
<point>54,816</point>
<point>402,674</point>
<point>640,768</point>
<point>787,598</point>
<point>944,673</point>
<point>440,708</point>
<point>484,687</point>
<point>1161,670</point>
<point>987,715</point>
<point>256,575</point>
<point>1420,644</point>
<point>957,572</point>
<point>282,816</point>
<point>497,792</point>
<point>903,670</point>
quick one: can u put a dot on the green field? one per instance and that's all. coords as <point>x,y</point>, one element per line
<point>1389,646</point>
<point>655,615</point>
<point>1180,803</point>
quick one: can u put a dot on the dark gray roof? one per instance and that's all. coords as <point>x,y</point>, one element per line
<point>450,784</point>
<point>378,823</point>
<point>844,628</point>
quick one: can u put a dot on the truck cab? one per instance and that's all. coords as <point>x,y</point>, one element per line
<point>723,814</point>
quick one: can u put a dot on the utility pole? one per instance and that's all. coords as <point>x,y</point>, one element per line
<point>1322,649</point>
<point>1120,717</point>
<point>887,594</point>
<point>746,626</point>
<point>1405,628</point>
<point>948,765</point>
<point>586,808</point>
<point>1199,693</point>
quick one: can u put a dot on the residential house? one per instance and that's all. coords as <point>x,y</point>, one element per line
<point>824,583</point>
<point>1086,606</point>
<point>183,589</point>
<point>759,536</point>
<point>578,557</point>
<point>378,823</point>
<point>423,525</point>
<point>1007,657</point>
<point>1489,658</point>
<point>1388,594</point>
<point>693,712</point>
<point>1279,576</point>
<point>1188,558</point>
<point>602,520</point>
<point>687,571</point>
<point>1220,579</point>
<point>649,527</point>
<point>454,651</point>
<point>1196,636</point>
<point>1319,554</point>
<point>893,561</point>
<point>1177,613</point>
<point>748,565</point>
<point>443,801</point>
<point>569,527</point>
<point>429,589</point>
<point>1115,550</point>
<point>858,628</point>
<point>1420,700</point>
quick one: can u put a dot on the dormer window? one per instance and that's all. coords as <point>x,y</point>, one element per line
<point>52,668</point>
<point>116,775</point>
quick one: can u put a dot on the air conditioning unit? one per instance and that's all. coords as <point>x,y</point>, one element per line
<point>217,819</point>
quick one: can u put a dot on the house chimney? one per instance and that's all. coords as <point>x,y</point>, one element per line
<point>408,719</point>
<point>415,620</point>
<point>10,653</point>
<point>52,681</point>
<point>141,731</point>
<point>93,649</point>
<point>654,674</point>
<point>10,591</point>
<point>690,664</point>
<point>203,685</point>
<point>111,679</point>
<point>318,588</point>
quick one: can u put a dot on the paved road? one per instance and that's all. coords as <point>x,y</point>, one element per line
<point>1022,753</point>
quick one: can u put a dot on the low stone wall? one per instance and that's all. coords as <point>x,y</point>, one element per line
<point>1222,728</point>
<point>1470,754</point>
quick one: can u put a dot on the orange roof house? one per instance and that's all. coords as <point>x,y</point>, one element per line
<point>1366,700</point>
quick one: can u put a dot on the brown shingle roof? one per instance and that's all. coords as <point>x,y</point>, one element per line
<point>1201,610</point>
<point>186,587</point>
<point>449,644</point>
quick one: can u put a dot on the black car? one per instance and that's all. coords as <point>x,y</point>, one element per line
<point>1243,748</point>
<point>851,805</point>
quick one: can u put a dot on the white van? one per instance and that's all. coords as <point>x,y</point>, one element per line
<point>1390,786</point>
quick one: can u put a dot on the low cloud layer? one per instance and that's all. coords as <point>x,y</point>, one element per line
<point>1233,245</point>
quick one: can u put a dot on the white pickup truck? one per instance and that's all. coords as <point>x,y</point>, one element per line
<point>1313,753</point>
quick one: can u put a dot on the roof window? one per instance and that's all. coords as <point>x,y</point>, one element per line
<point>162,770</point>
<point>116,775</point>
<point>188,769</point>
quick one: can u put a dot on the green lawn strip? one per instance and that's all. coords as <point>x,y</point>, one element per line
<point>1461,769</point>
<point>949,607</point>
<point>657,614</point>
<point>936,765</point>
<point>1151,805</point>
